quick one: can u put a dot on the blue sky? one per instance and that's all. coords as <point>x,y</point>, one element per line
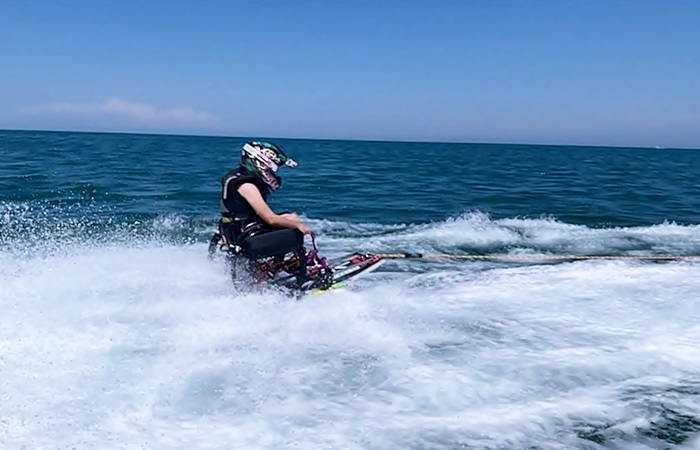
<point>541,71</point>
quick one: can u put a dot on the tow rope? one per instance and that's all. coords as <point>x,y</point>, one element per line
<point>535,257</point>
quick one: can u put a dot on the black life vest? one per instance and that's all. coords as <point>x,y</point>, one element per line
<point>233,205</point>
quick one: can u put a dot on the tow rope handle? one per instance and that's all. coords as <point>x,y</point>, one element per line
<point>313,257</point>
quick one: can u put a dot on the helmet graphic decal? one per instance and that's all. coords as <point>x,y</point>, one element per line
<point>264,159</point>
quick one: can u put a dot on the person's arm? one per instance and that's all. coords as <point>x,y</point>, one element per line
<point>251,193</point>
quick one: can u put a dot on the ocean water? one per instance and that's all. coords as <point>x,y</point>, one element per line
<point>117,332</point>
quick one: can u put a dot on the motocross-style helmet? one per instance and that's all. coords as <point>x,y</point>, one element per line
<point>264,160</point>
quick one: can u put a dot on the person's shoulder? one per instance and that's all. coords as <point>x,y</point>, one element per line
<point>236,178</point>
<point>251,180</point>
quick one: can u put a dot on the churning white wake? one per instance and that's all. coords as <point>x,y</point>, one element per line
<point>148,346</point>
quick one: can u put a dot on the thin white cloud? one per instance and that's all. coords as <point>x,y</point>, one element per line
<point>130,114</point>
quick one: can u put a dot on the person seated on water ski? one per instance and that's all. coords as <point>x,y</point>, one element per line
<point>248,226</point>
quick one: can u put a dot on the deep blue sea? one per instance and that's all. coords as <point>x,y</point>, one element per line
<point>117,332</point>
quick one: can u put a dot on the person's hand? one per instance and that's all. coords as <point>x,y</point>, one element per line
<point>304,228</point>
